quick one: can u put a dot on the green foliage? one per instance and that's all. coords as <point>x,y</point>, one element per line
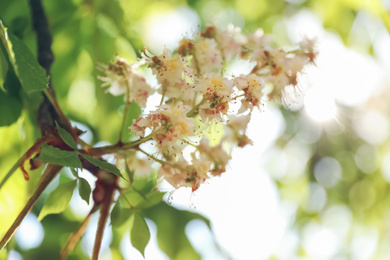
<point>53,155</point>
<point>84,189</point>
<point>66,137</point>
<point>86,33</point>
<point>10,102</point>
<point>119,214</point>
<point>10,108</point>
<point>31,75</point>
<point>139,232</point>
<point>58,199</point>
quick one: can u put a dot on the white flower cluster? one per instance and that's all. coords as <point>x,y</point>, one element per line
<point>196,92</point>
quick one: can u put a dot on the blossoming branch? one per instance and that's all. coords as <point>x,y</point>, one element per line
<point>196,93</point>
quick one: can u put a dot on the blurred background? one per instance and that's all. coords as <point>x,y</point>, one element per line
<point>315,183</point>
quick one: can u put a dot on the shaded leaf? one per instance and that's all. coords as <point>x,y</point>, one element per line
<point>84,190</point>
<point>10,101</point>
<point>58,199</point>
<point>10,109</point>
<point>103,165</point>
<point>139,233</point>
<point>120,215</point>
<point>74,172</point>
<point>53,155</point>
<point>31,75</point>
<point>66,137</point>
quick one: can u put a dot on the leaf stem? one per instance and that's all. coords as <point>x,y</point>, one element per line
<point>194,111</point>
<point>161,161</point>
<point>49,174</point>
<point>96,151</point>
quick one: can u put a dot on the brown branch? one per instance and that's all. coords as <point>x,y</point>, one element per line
<point>49,111</point>
<point>40,24</point>
<point>104,193</point>
<point>49,174</point>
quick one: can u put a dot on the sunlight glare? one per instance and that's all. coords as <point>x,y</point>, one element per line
<point>320,104</point>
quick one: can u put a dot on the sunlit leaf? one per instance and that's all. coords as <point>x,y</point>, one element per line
<point>58,199</point>
<point>139,233</point>
<point>84,189</point>
<point>53,155</point>
<point>31,75</point>
<point>152,199</point>
<point>103,165</point>
<point>66,137</point>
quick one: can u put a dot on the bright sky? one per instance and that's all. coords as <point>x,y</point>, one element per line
<point>243,205</point>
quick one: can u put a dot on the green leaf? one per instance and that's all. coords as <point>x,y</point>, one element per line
<point>66,137</point>
<point>53,155</point>
<point>103,165</point>
<point>139,233</point>
<point>58,199</point>
<point>10,101</point>
<point>10,109</point>
<point>84,189</point>
<point>120,215</point>
<point>31,75</point>
<point>152,199</point>
<point>74,172</point>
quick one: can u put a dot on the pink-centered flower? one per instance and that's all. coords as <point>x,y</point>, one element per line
<point>122,78</point>
<point>116,75</point>
<point>251,85</point>
<point>218,92</point>
<point>170,125</point>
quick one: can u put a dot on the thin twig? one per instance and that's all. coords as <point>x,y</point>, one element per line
<point>75,237</point>
<point>49,174</point>
<point>12,170</point>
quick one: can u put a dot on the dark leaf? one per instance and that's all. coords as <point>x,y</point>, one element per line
<point>66,137</point>
<point>50,154</point>
<point>10,109</point>
<point>84,190</point>
<point>31,75</point>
